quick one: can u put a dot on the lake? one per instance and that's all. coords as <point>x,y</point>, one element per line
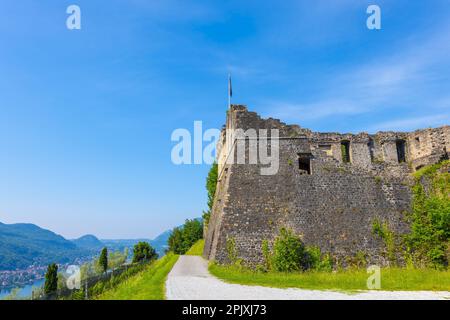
<point>24,292</point>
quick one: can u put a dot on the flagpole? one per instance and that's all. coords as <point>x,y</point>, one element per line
<point>229,91</point>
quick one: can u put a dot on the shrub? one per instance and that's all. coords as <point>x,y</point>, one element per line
<point>143,251</point>
<point>288,252</point>
<point>361,259</point>
<point>266,255</point>
<point>317,261</point>
<point>429,240</point>
<point>326,263</point>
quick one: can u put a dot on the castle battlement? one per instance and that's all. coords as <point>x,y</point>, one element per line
<point>329,187</point>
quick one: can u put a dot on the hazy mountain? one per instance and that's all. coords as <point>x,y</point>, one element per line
<point>121,244</point>
<point>89,242</point>
<point>159,243</point>
<point>23,244</point>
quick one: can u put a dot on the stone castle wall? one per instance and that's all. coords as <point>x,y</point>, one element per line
<point>333,205</point>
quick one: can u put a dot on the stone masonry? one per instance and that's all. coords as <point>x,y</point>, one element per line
<point>329,188</point>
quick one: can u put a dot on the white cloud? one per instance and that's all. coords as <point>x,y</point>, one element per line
<point>314,111</point>
<point>414,123</point>
<point>407,80</point>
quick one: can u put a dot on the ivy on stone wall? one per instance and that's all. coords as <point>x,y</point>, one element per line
<point>232,251</point>
<point>382,230</point>
<point>429,240</point>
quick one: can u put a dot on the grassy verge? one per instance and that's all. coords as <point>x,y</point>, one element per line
<point>197,248</point>
<point>391,279</point>
<point>147,285</point>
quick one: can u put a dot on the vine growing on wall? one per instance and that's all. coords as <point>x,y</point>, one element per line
<point>266,255</point>
<point>428,244</point>
<point>232,251</point>
<point>382,230</point>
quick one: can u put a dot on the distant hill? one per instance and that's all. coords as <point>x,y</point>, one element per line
<point>89,242</point>
<point>121,244</point>
<point>160,242</point>
<point>23,244</point>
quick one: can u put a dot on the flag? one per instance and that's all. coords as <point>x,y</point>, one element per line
<point>230,89</point>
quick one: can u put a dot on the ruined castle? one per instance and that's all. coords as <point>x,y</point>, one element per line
<point>328,189</point>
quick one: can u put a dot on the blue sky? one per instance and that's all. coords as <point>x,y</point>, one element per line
<point>86,116</point>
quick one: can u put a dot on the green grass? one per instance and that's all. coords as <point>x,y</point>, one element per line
<point>147,285</point>
<point>350,280</point>
<point>197,248</point>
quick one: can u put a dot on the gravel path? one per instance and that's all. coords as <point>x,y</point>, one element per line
<point>190,280</point>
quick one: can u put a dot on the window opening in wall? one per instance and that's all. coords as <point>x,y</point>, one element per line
<point>417,143</point>
<point>371,146</point>
<point>304,163</point>
<point>401,155</point>
<point>345,150</point>
<point>326,148</point>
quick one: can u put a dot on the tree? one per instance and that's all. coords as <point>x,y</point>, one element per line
<point>51,279</point>
<point>117,258</point>
<point>143,251</point>
<point>175,241</point>
<point>103,260</point>
<point>192,232</point>
<point>211,185</point>
<point>182,238</point>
